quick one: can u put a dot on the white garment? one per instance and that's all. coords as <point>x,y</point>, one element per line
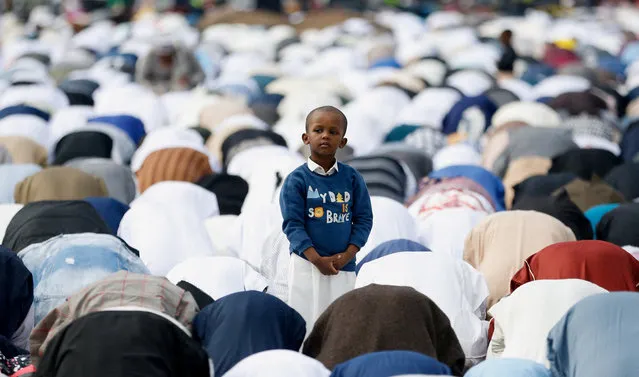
<point>391,221</point>
<point>524,319</point>
<point>594,142</point>
<point>253,227</point>
<point>429,107</point>
<point>30,126</point>
<point>218,276</point>
<point>557,85</point>
<point>531,113</point>
<point>131,99</point>
<point>20,337</point>
<point>222,230</point>
<point>278,363</point>
<point>310,292</point>
<point>166,224</point>
<point>456,154</point>
<point>459,290</point>
<point>275,261</point>
<point>316,168</point>
<point>42,96</point>
<point>7,211</point>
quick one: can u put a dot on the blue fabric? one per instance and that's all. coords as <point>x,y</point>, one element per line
<point>490,182</point>
<point>599,336</point>
<point>111,211</point>
<point>400,132</point>
<point>536,72</point>
<point>544,100</point>
<point>390,247</point>
<point>16,295</point>
<point>263,81</point>
<point>630,142</point>
<point>632,95</point>
<point>386,63</point>
<point>133,126</point>
<point>506,367</point>
<point>326,212</point>
<point>456,114</point>
<point>630,53</point>
<point>24,110</point>
<point>595,214</point>
<point>11,175</point>
<point>389,364</point>
<point>612,64</point>
<point>245,323</point>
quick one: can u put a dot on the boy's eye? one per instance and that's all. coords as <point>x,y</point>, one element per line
<point>333,132</point>
<point>318,130</point>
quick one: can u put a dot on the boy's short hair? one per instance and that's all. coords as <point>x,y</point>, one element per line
<point>330,109</point>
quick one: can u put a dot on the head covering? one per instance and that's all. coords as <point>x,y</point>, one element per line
<point>572,352</point>
<point>471,116</point>
<point>258,321</point>
<point>82,144</point>
<point>585,162</point>
<point>16,297</point>
<point>112,342</point>
<point>622,179</point>
<point>79,92</point>
<point>39,221</point>
<point>218,276</point>
<point>602,263</point>
<point>630,143</point>
<point>541,185</point>
<point>390,363</point>
<point>248,138</point>
<point>173,164</point>
<point>538,305</point>
<point>618,225</point>
<point>456,154</point>
<point>121,289</point>
<point>384,176</point>
<point>587,194</point>
<point>486,179</point>
<point>419,326</point>
<point>498,245</point>
<point>596,213</point>
<point>416,159</point>
<point>59,183</point>
<point>118,179</point>
<point>577,103</point>
<point>458,290</point>
<point>390,247</point>
<point>561,208</point>
<point>508,368</point>
<point>132,126</point>
<point>24,150</point>
<point>278,363</point>
<point>111,210</point>
<point>530,113</point>
<point>521,169</point>
<point>11,175</point>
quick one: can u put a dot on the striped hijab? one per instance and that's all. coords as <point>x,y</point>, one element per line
<point>173,164</point>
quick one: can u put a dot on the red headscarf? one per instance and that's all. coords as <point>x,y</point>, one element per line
<point>598,262</point>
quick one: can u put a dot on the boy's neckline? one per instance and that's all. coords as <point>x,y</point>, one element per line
<point>326,169</point>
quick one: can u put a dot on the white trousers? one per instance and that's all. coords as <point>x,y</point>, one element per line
<point>310,292</point>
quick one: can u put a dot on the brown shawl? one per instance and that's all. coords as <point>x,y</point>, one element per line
<point>383,318</point>
<point>587,194</point>
<point>59,183</point>
<point>173,164</point>
<point>24,150</point>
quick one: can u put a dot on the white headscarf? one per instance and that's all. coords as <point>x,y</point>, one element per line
<point>457,288</point>
<point>218,276</point>
<point>524,319</point>
<point>278,363</point>
<point>531,113</point>
<point>42,96</point>
<point>7,211</point>
<point>30,126</point>
<point>456,154</point>
<point>131,99</point>
<point>554,86</point>
<point>166,224</point>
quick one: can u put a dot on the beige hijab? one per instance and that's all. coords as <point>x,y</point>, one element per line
<point>499,245</point>
<point>24,150</point>
<point>59,183</point>
<point>522,169</point>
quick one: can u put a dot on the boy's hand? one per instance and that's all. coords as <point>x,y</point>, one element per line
<point>326,265</point>
<point>346,256</point>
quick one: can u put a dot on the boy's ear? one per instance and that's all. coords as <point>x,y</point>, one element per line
<point>305,139</point>
<point>342,143</point>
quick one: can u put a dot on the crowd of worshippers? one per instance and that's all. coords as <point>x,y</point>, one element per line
<point>385,195</point>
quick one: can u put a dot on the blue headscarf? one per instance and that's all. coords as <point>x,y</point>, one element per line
<point>508,368</point>
<point>131,125</point>
<point>11,175</point>
<point>630,142</point>
<point>599,336</point>
<point>245,323</point>
<point>596,213</point>
<point>390,363</point>
<point>16,292</point>
<point>385,63</point>
<point>390,247</point>
<point>111,210</point>
<point>455,116</point>
<point>24,110</point>
<point>490,182</point>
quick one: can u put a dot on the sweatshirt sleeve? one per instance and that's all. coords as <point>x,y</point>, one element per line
<point>362,212</point>
<point>292,205</point>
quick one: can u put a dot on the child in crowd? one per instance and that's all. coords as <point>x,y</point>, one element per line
<point>327,218</point>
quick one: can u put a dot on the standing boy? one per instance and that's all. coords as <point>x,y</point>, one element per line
<point>327,218</point>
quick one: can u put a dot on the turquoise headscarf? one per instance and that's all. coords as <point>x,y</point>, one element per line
<point>595,214</point>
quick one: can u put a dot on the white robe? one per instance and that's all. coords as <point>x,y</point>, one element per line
<point>278,363</point>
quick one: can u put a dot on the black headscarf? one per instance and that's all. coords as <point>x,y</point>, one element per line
<point>16,294</point>
<point>561,208</point>
<point>230,191</point>
<point>123,343</point>
<point>620,226</point>
<point>39,221</point>
<point>577,103</point>
<point>541,185</point>
<point>625,178</point>
<point>83,144</point>
<point>248,138</point>
<point>585,162</point>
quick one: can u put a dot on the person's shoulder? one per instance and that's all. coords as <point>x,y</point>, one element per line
<point>349,170</point>
<point>299,173</point>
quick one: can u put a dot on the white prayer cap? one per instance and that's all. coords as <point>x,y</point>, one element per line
<point>530,113</point>
<point>554,86</point>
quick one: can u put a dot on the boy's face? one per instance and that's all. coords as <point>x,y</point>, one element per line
<point>324,134</point>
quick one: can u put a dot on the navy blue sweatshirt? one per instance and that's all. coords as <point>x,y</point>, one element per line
<point>326,212</point>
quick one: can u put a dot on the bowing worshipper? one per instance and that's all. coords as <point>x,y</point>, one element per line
<point>622,178</point>
<point>389,364</point>
<point>119,179</point>
<point>619,225</point>
<point>540,305</point>
<point>602,263</point>
<point>327,217</point>
<point>499,245</point>
<point>16,296</point>
<point>230,190</point>
<point>393,318</point>
<point>169,67</point>
<point>124,341</point>
<point>509,367</point>
<point>458,289</point>
<point>585,163</point>
<point>245,323</point>
<point>59,183</point>
<point>596,213</point>
<point>571,350</point>
<point>39,221</point>
<point>521,169</point>
<point>278,363</point>
<point>110,210</point>
<point>11,175</point>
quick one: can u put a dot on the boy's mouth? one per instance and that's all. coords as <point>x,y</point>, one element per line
<point>324,145</point>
